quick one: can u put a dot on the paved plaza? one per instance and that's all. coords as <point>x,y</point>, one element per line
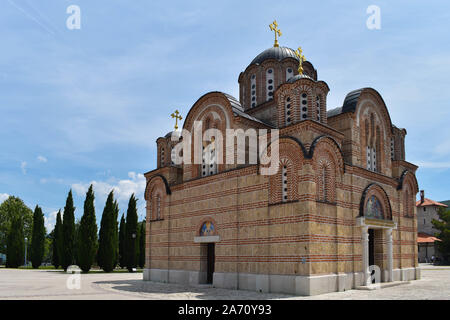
<point>51,285</point>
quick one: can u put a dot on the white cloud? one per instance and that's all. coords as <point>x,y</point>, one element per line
<point>23,166</point>
<point>123,189</point>
<point>50,221</point>
<point>42,159</point>
<point>3,197</point>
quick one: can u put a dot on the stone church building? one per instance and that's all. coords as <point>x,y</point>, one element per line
<point>343,198</point>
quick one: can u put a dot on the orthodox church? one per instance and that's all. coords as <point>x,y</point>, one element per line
<point>338,213</point>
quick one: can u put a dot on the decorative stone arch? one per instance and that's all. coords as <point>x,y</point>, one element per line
<point>216,108</point>
<point>291,156</point>
<point>328,165</point>
<point>155,196</point>
<point>408,189</point>
<point>375,190</point>
<point>374,123</point>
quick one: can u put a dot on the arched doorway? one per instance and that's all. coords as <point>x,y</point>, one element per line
<point>376,225</point>
<point>207,237</point>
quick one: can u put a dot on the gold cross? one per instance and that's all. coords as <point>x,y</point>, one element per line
<point>301,59</point>
<point>177,117</point>
<point>274,27</point>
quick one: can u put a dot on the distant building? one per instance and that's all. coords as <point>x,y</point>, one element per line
<point>427,211</point>
<point>2,258</point>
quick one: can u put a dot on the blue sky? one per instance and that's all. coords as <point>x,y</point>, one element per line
<point>82,106</point>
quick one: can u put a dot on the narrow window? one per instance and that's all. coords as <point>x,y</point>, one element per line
<point>269,84</point>
<point>318,107</point>
<point>303,106</point>
<point>284,191</point>
<point>253,90</point>
<point>288,111</point>
<point>369,157</point>
<point>324,183</point>
<point>209,161</point>
<point>158,207</point>
<point>392,148</point>
<point>162,157</point>
<point>289,73</point>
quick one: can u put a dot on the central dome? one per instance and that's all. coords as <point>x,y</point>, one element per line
<point>278,53</point>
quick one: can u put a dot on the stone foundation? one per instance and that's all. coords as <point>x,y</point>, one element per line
<point>287,284</point>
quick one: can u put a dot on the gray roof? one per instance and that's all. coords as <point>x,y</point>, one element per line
<point>350,102</point>
<point>334,112</point>
<point>239,110</point>
<point>299,76</point>
<point>278,53</point>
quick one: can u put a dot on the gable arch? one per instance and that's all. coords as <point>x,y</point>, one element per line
<point>283,186</point>
<point>376,190</point>
<point>408,177</point>
<point>216,101</point>
<point>154,181</point>
<point>370,98</point>
<point>329,145</point>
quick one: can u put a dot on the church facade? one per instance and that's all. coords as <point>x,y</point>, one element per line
<point>341,204</point>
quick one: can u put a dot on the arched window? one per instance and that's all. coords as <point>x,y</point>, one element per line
<point>288,111</point>
<point>392,149</point>
<point>303,106</point>
<point>172,156</point>
<point>162,157</point>
<point>373,147</point>
<point>289,73</point>
<point>318,107</point>
<point>253,90</point>
<point>374,209</point>
<point>323,183</point>
<point>284,184</point>
<point>209,160</point>
<point>158,207</point>
<point>269,84</point>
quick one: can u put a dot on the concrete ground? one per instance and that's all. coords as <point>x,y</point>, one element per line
<point>52,285</point>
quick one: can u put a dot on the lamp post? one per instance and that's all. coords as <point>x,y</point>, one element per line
<point>26,239</point>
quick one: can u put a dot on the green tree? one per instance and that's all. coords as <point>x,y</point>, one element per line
<point>37,238</point>
<point>11,208</point>
<point>142,245</point>
<point>116,233</point>
<point>131,244</point>
<point>107,241</point>
<point>15,244</point>
<point>443,225</point>
<point>68,233</point>
<point>57,242</point>
<point>87,234</point>
<point>48,251</point>
<point>122,236</point>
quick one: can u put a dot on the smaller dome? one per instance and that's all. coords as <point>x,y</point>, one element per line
<point>299,76</point>
<point>278,53</point>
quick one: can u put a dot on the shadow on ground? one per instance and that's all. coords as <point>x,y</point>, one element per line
<point>179,292</point>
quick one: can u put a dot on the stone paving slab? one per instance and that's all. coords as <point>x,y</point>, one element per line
<point>51,285</point>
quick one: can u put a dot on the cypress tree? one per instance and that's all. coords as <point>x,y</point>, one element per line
<point>131,244</point>
<point>68,233</point>
<point>116,233</point>
<point>122,242</point>
<point>37,238</point>
<point>57,241</point>
<point>87,234</point>
<point>142,245</point>
<point>106,242</point>
<point>15,244</point>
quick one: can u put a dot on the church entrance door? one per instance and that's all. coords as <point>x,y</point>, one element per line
<point>210,263</point>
